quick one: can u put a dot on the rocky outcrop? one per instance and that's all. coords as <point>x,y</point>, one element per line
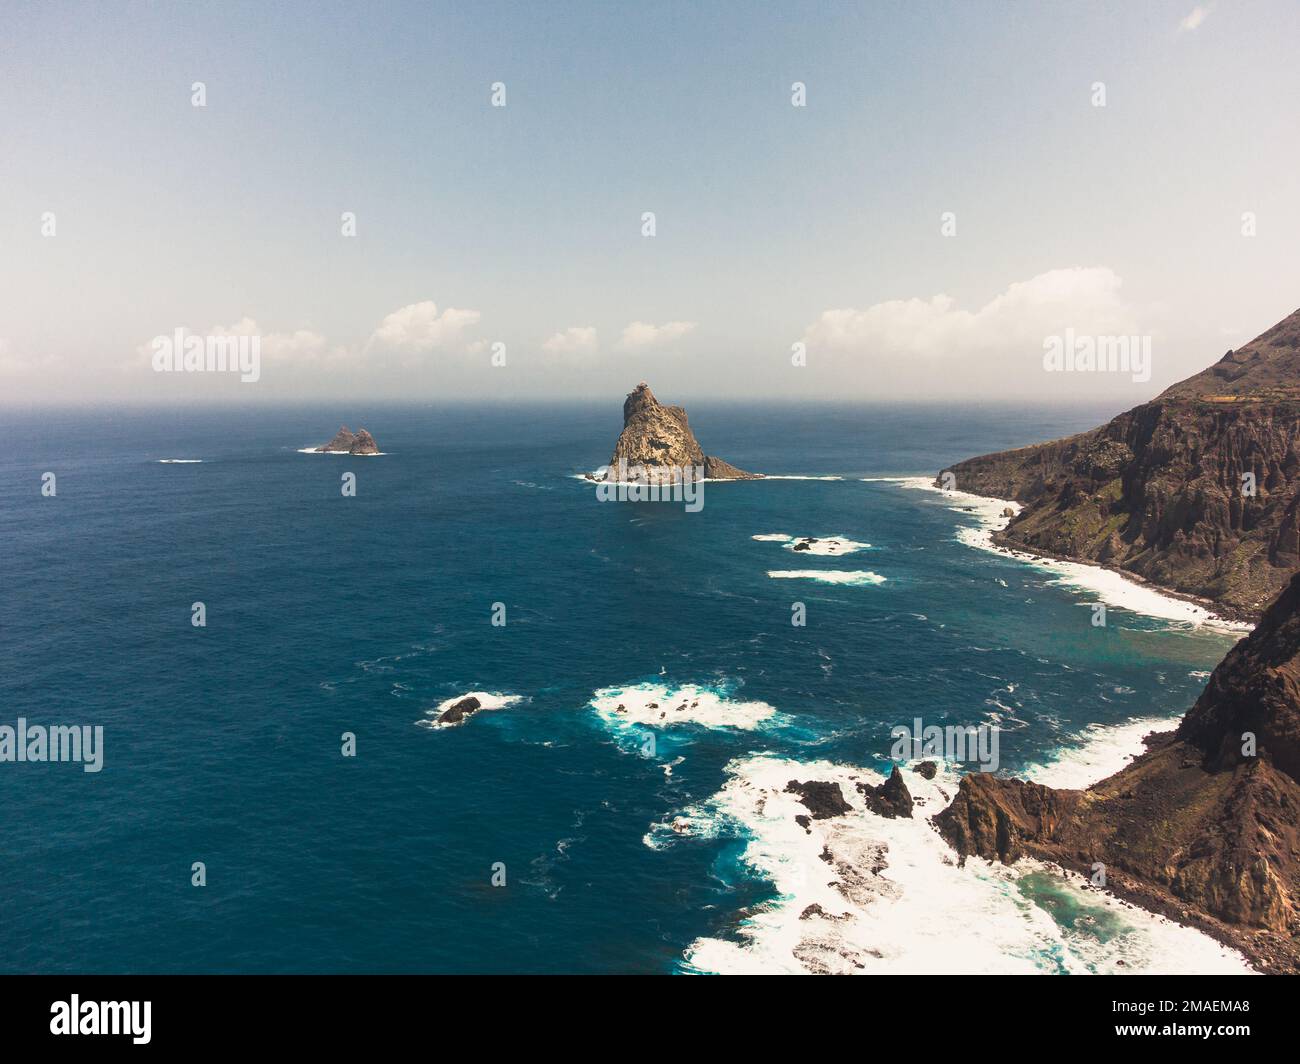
<point>717,469</point>
<point>1204,827</point>
<point>1159,491</point>
<point>342,441</point>
<point>347,442</point>
<point>457,712</point>
<point>658,440</point>
<point>821,798</point>
<point>363,443</point>
<point>889,799</point>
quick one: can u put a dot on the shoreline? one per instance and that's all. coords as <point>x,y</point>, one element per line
<point>1206,612</point>
<point>1230,617</point>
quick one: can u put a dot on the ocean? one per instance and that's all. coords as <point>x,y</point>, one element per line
<point>554,833</point>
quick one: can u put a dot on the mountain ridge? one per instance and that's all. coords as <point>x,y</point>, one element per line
<point>1161,491</point>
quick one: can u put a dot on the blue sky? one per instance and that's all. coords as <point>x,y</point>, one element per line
<point>525,220</point>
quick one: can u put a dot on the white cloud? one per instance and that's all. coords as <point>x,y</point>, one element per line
<point>575,340</point>
<point>1195,17</point>
<point>25,365</point>
<point>640,334</point>
<point>929,345</point>
<point>300,346</point>
<point>419,328</point>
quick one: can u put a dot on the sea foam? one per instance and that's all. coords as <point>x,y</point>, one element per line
<point>1111,587</point>
<point>1100,750</point>
<point>857,577</point>
<point>863,894</point>
<point>657,705</point>
<point>826,546</point>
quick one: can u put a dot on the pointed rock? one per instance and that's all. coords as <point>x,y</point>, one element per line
<point>342,441</point>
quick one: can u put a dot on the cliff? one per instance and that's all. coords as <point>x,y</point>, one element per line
<point>1158,491</point>
<point>659,438</point>
<point>1202,827</point>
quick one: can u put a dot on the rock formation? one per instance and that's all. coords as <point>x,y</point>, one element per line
<point>1204,827</point>
<point>458,711</point>
<point>342,441</point>
<point>822,798</point>
<point>658,439</point>
<point>347,442</point>
<point>1158,491</point>
<point>890,799</point>
<point>363,443</point>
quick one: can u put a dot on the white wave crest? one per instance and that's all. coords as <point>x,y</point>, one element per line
<point>862,894</point>
<point>657,705</point>
<point>856,577</point>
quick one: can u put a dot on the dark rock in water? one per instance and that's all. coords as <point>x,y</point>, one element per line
<point>822,799</point>
<point>804,823</point>
<point>801,546</point>
<point>926,768</point>
<point>891,799</point>
<point>657,440</point>
<point>341,443</point>
<point>363,443</point>
<point>458,711</point>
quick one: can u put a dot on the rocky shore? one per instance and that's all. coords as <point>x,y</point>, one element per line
<point>1203,828</point>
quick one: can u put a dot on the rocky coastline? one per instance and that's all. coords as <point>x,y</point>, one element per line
<point>1194,492</point>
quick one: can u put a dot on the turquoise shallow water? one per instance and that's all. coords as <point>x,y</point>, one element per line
<point>329,614</point>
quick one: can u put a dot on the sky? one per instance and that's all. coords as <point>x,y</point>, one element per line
<point>963,183</point>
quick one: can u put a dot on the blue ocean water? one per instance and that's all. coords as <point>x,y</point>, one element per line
<point>329,614</point>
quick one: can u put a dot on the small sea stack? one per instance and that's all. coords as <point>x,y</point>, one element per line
<point>346,441</point>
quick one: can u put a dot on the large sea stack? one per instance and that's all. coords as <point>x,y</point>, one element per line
<point>1204,827</point>
<point>658,440</point>
<point>1159,491</point>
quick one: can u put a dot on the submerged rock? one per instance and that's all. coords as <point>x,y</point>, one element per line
<point>457,712</point>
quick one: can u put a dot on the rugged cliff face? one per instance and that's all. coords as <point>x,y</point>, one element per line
<point>658,438</point>
<point>1159,491</point>
<point>1204,827</point>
